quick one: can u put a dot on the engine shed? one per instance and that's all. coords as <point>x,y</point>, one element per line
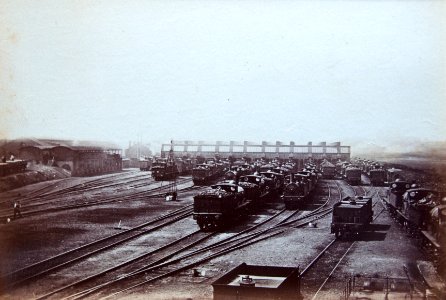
<point>81,158</point>
<point>330,151</point>
<point>258,282</point>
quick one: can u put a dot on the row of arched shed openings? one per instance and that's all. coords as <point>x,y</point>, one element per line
<point>81,160</point>
<point>224,149</point>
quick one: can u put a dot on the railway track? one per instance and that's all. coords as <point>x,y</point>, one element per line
<point>82,202</point>
<point>173,263</point>
<point>96,184</point>
<point>106,277</point>
<point>45,192</point>
<point>161,268</point>
<point>327,261</point>
<point>67,258</point>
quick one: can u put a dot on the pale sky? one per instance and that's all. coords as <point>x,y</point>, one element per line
<point>369,72</point>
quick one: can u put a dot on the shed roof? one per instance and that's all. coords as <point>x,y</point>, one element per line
<point>44,144</point>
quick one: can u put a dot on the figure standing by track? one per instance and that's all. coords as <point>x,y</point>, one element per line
<point>17,207</point>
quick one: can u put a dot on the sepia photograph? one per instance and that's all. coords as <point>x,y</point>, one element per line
<point>226,150</point>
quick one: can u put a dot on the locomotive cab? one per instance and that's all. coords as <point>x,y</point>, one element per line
<point>395,194</point>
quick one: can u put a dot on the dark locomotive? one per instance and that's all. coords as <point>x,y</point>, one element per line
<point>352,175</point>
<point>204,173</point>
<point>328,170</point>
<point>216,206</point>
<point>419,210</point>
<point>164,169</point>
<point>12,167</point>
<point>377,175</point>
<point>418,202</point>
<point>170,168</point>
<point>395,194</point>
<point>276,181</point>
<point>352,215</point>
<point>297,191</point>
<point>299,186</point>
<point>257,187</point>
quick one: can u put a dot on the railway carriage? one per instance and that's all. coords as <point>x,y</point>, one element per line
<point>393,174</point>
<point>352,215</point>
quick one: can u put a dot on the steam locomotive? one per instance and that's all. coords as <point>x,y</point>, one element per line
<point>299,187</point>
<point>12,166</point>
<point>216,206</point>
<point>352,175</point>
<point>420,210</point>
<point>256,187</point>
<point>204,173</point>
<point>352,215</point>
<point>164,169</point>
<point>328,170</point>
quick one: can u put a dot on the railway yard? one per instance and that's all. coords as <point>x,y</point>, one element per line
<point>116,236</point>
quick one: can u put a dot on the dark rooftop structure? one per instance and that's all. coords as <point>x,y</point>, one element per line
<point>82,158</point>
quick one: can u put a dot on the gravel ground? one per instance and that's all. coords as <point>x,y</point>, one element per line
<point>31,239</point>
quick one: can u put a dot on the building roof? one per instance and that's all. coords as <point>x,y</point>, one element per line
<point>74,145</point>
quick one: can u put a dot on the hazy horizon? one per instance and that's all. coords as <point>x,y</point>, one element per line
<point>436,149</point>
<point>370,74</point>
